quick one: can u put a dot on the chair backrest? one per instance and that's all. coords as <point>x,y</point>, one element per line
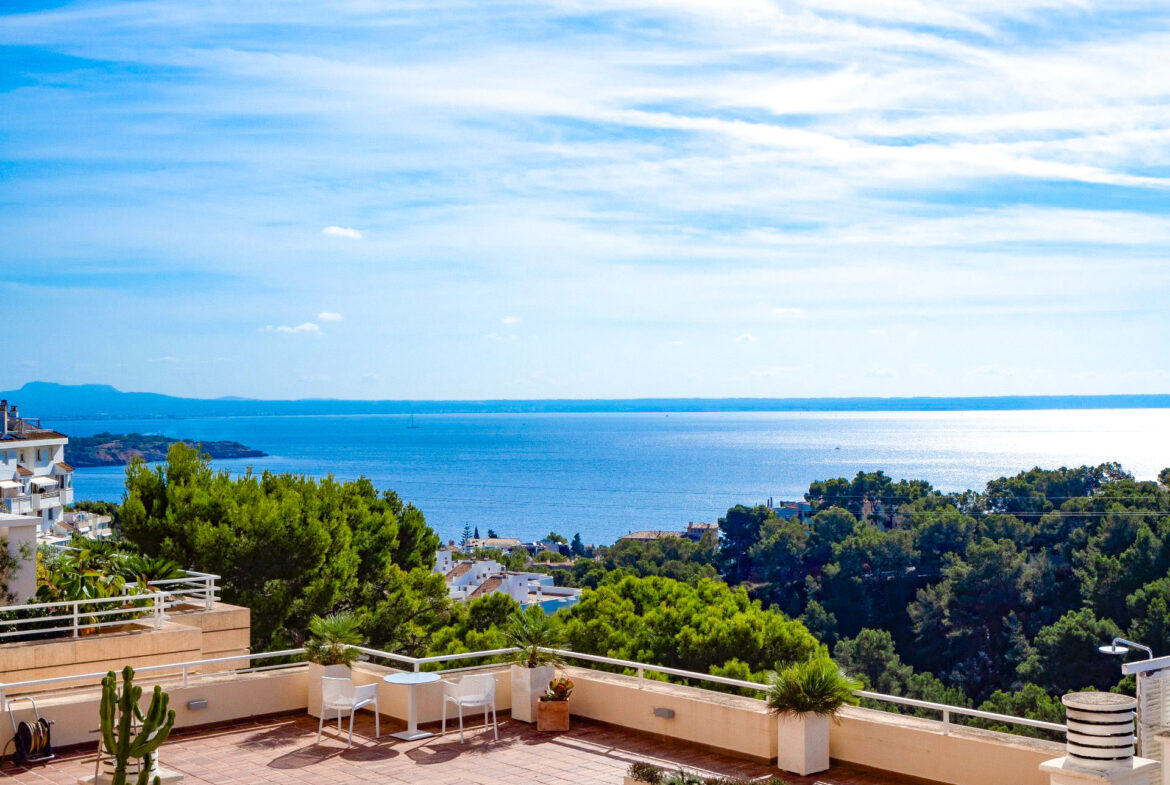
<point>336,690</point>
<point>477,685</point>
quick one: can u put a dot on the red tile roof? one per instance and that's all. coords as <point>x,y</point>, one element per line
<point>487,587</point>
<point>461,568</point>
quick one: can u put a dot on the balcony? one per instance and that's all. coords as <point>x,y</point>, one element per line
<point>46,499</point>
<point>17,505</point>
<point>614,723</point>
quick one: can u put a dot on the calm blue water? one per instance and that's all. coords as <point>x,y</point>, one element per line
<point>604,475</point>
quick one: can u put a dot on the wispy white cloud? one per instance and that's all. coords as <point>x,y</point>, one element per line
<point>510,320</point>
<point>305,328</point>
<point>329,316</point>
<point>745,338</point>
<point>342,231</point>
<point>984,164</point>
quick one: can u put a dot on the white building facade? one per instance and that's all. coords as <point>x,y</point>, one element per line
<point>34,478</point>
<point>469,579</point>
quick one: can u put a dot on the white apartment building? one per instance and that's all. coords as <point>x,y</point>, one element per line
<point>34,478</point>
<point>468,579</point>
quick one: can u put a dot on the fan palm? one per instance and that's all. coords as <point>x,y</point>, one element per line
<point>534,632</point>
<point>330,638</point>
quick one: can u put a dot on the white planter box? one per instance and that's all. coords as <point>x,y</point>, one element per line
<point>318,672</point>
<point>528,684</point>
<point>802,743</point>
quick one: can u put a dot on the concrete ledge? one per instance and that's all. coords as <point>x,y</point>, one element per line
<point>138,646</point>
<point>714,720</point>
<point>919,749</point>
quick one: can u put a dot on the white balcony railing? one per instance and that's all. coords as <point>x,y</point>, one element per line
<point>46,499</point>
<point>17,505</point>
<point>79,617</point>
<point>194,588</point>
<point>183,672</point>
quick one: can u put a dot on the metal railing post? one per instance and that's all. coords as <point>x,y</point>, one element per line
<point>641,678</point>
<point>209,595</point>
<point>946,723</point>
<point>158,610</point>
<point>76,619</point>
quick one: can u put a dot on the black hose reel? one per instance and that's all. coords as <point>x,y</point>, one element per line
<point>33,738</point>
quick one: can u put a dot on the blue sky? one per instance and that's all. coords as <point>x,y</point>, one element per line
<point>612,198</point>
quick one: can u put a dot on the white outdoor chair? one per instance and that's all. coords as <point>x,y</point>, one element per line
<point>343,696</point>
<point>472,692</point>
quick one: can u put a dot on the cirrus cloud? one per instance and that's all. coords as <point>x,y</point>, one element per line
<point>305,328</point>
<point>342,231</point>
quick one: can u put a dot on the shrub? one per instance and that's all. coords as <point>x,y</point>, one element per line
<point>814,686</point>
<point>645,772</point>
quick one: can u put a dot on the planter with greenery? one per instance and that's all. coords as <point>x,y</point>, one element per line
<point>327,648</point>
<point>532,631</point>
<point>552,712</point>
<point>806,696</point>
<point>641,773</point>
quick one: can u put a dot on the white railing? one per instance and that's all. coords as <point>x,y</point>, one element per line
<point>18,504</point>
<point>78,616</point>
<point>177,673</point>
<point>194,588</point>
<point>946,710</point>
<point>75,617</point>
<point>641,668</point>
<point>182,672</point>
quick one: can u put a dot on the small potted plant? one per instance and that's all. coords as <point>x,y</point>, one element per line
<point>552,713</point>
<point>534,633</point>
<point>806,696</point>
<point>327,648</point>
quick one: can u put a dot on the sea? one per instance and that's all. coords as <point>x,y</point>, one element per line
<point>606,474</point>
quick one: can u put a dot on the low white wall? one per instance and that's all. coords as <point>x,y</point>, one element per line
<point>229,698</point>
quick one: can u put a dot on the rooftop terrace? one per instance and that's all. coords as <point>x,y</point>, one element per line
<point>283,750</point>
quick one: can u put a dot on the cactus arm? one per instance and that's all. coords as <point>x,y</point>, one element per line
<point>118,714</point>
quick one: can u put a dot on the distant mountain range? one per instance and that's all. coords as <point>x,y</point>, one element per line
<point>90,401</point>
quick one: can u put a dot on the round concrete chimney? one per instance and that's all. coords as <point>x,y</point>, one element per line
<point>1100,728</point>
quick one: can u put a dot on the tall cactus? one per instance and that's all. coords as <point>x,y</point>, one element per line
<point>118,716</point>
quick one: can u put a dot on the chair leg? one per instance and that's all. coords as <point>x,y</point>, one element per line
<point>351,713</point>
<point>460,723</point>
<point>495,722</point>
<point>377,719</point>
<point>320,723</point>
<point>443,732</point>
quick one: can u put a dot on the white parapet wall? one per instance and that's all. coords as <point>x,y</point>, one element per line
<point>919,748</point>
<point>229,697</point>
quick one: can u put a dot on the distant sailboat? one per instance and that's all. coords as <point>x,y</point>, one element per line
<point>411,423</point>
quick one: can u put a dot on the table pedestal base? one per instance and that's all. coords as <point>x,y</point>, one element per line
<point>412,735</point>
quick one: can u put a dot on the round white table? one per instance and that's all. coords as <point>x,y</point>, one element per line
<point>411,680</point>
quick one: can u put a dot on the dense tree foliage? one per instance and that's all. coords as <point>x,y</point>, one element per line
<point>668,557</point>
<point>705,627</point>
<point>985,592</point>
<point>290,547</point>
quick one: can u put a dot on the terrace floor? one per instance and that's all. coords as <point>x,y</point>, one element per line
<point>283,750</point>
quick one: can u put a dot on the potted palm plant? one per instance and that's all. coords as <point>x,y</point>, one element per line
<point>327,648</point>
<point>806,696</point>
<point>534,633</point>
<point>552,712</point>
